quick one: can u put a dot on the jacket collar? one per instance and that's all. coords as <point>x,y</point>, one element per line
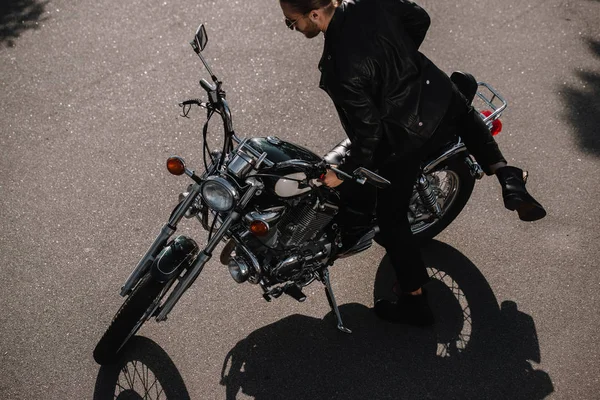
<point>334,30</point>
<point>337,20</point>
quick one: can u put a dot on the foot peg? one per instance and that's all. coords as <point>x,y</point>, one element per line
<point>332,302</point>
<point>295,292</point>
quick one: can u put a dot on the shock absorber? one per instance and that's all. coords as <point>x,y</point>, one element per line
<point>427,195</point>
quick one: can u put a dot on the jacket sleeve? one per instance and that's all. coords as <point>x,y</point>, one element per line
<point>414,20</point>
<point>360,119</point>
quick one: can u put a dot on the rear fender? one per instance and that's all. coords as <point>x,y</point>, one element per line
<point>454,151</point>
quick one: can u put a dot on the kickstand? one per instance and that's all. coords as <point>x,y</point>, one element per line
<point>332,303</point>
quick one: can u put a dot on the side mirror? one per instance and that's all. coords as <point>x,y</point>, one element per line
<point>371,177</point>
<point>200,39</point>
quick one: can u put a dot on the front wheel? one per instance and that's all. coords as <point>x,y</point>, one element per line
<point>452,184</point>
<point>131,316</point>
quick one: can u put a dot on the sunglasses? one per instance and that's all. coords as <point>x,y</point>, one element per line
<point>290,24</point>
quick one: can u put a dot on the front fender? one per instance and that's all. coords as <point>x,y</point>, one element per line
<point>177,255</point>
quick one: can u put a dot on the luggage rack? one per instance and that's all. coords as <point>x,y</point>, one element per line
<point>492,99</point>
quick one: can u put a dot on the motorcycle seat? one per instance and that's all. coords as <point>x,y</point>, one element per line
<point>466,84</point>
<point>337,155</point>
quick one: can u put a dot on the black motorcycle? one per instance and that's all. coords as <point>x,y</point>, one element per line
<point>264,198</point>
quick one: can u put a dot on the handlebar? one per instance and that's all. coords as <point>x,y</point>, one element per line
<point>318,170</point>
<point>361,176</point>
<point>339,172</point>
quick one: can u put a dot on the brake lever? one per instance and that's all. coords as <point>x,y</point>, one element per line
<point>189,103</point>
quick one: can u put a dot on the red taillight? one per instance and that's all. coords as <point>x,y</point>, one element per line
<point>496,124</point>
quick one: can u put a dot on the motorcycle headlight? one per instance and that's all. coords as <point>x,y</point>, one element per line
<point>219,194</point>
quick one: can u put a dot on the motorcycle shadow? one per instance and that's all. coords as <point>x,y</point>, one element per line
<point>475,350</point>
<point>144,371</point>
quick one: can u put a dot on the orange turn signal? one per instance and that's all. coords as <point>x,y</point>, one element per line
<point>259,228</point>
<point>175,165</point>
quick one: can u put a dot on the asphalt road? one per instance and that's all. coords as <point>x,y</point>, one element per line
<point>88,94</point>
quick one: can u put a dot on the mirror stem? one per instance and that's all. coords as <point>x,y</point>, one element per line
<point>212,75</point>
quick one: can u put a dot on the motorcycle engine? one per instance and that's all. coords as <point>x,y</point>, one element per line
<point>296,239</point>
<point>304,222</point>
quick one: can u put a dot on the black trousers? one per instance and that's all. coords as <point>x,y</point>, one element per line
<point>391,203</point>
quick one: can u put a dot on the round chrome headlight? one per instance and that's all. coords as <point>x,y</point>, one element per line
<point>219,194</point>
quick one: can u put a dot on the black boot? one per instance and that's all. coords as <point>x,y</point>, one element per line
<point>515,195</point>
<point>408,309</point>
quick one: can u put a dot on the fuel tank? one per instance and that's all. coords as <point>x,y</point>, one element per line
<point>279,150</point>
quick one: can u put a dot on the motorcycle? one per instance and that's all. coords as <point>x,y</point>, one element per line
<point>263,197</point>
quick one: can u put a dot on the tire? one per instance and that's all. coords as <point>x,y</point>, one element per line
<point>460,184</point>
<point>128,320</point>
<point>143,369</point>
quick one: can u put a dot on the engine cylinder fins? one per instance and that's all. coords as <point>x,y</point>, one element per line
<point>303,223</point>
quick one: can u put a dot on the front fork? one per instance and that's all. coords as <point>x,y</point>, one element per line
<point>165,233</point>
<point>196,268</point>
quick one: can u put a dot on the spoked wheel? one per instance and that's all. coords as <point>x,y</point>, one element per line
<point>452,184</point>
<point>136,309</point>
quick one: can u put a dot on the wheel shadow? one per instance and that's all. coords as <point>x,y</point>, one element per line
<point>17,16</point>
<point>582,103</point>
<point>144,371</point>
<point>476,349</point>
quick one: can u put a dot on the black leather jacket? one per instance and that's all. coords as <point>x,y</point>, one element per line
<point>390,98</point>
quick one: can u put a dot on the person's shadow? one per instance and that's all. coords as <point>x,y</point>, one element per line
<point>476,350</point>
<point>144,371</point>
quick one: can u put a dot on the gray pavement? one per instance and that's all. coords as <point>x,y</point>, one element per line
<point>88,94</point>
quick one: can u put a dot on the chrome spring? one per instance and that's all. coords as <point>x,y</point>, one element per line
<point>428,197</point>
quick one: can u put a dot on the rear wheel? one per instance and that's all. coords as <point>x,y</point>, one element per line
<point>452,184</point>
<point>131,316</point>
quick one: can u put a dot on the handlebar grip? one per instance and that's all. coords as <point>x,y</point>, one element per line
<point>188,102</point>
<point>207,86</point>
